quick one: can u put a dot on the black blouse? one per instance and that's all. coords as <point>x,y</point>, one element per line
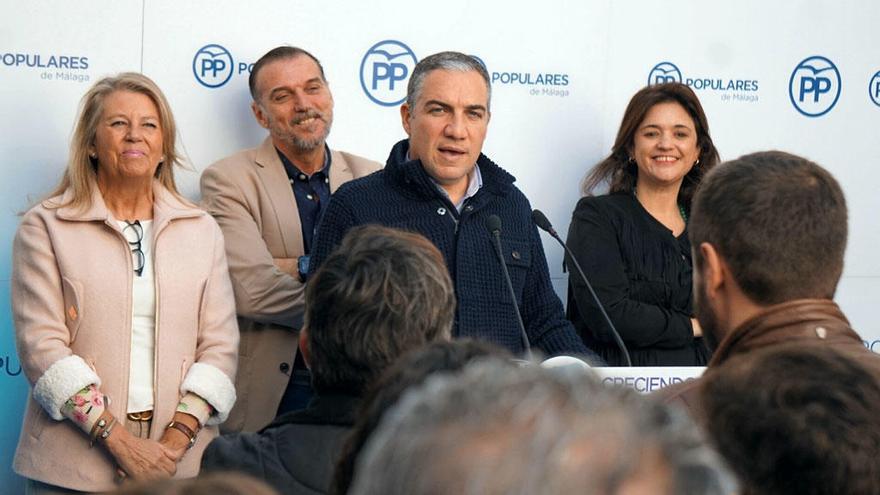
<point>642,275</point>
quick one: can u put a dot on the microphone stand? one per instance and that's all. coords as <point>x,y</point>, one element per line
<point>544,224</point>
<point>493,223</point>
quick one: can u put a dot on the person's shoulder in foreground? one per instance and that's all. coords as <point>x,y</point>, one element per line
<point>411,305</point>
<point>769,234</point>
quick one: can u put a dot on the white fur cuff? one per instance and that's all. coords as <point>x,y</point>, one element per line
<point>61,381</point>
<point>211,384</point>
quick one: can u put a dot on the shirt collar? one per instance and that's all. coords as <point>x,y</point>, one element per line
<point>289,164</point>
<point>475,182</point>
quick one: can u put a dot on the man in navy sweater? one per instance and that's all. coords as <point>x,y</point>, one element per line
<point>439,184</point>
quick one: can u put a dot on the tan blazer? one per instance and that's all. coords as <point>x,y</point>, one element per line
<point>71,299</point>
<point>250,196</point>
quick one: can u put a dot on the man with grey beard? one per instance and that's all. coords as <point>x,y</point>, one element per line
<point>276,192</point>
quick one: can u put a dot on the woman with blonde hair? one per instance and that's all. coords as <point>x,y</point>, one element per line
<point>122,305</point>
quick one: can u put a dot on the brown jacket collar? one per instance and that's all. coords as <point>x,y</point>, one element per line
<point>802,319</point>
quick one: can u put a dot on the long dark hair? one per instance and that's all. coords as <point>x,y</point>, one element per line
<point>621,172</point>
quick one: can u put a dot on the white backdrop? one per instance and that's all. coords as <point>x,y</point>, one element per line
<point>562,71</point>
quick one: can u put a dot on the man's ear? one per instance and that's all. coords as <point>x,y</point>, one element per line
<point>304,346</point>
<point>714,269</point>
<point>259,115</point>
<point>405,115</point>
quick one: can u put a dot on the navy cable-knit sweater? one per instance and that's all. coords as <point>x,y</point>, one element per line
<point>404,196</point>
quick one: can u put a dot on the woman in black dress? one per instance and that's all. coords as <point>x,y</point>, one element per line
<point>633,243</point>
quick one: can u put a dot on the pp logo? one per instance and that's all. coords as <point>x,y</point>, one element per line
<point>212,66</point>
<point>814,86</point>
<point>385,67</point>
<point>874,88</point>
<point>664,72</point>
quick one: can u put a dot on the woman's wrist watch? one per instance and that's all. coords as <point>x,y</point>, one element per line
<point>186,430</point>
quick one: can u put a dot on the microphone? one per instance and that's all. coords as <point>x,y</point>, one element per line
<point>544,224</point>
<point>493,224</point>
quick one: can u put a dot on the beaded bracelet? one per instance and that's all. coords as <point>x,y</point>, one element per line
<point>93,435</point>
<point>101,430</point>
<point>106,433</point>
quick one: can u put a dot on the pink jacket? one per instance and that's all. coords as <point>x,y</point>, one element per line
<point>71,304</point>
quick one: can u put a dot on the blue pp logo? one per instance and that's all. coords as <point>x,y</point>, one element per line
<point>212,66</point>
<point>874,88</point>
<point>664,72</point>
<point>814,86</point>
<point>384,71</point>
